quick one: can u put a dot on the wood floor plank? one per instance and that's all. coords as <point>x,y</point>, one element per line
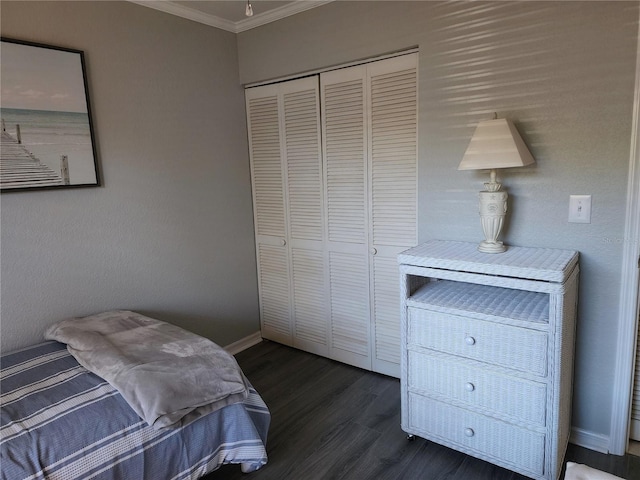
<point>389,458</point>
<point>331,421</point>
<point>384,413</point>
<point>334,453</point>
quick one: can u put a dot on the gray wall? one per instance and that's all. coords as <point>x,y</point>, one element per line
<point>170,233</point>
<point>563,71</point>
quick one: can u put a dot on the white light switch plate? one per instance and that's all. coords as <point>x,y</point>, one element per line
<point>580,208</point>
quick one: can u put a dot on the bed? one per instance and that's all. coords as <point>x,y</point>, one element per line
<point>61,421</point>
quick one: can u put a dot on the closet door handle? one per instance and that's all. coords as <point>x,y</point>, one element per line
<point>469,432</point>
<point>469,387</point>
<point>469,340</point>
<point>283,242</point>
<point>373,250</point>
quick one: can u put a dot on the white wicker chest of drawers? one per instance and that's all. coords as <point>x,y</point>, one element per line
<point>487,351</point>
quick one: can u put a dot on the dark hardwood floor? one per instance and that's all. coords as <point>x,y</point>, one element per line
<point>336,422</point>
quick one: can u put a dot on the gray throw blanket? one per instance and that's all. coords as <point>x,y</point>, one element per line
<point>168,375</point>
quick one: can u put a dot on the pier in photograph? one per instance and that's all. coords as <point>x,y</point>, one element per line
<point>20,168</point>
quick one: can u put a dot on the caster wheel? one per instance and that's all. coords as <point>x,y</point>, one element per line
<point>411,438</point>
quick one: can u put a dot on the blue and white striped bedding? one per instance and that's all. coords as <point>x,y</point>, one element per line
<point>59,421</point>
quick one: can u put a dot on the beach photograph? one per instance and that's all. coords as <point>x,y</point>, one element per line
<point>47,135</point>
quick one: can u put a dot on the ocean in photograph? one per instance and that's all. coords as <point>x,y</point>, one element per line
<point>48,135</point>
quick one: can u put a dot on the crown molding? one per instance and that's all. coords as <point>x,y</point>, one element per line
<point>248,23</point>
<point>297,6</point>
<point>188,13</point>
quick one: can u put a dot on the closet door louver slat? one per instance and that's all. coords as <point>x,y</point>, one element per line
<point>386,305</point>
<point>350,332</point>
<point>267,185</point>
<point>309,301</point>
<point>273,277</point>
<point>393,158</point>
<point>344,143</point>
<point>304,167</point>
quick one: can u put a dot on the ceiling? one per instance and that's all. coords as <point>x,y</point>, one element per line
<point>230,14</point>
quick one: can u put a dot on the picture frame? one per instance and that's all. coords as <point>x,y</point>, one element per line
<point>48,139</point>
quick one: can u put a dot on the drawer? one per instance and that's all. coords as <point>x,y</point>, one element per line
<point>503,395</point>
<point>473,433</point>
<point>505,345</point>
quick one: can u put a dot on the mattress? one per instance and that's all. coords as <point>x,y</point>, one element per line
<point>60,421</point>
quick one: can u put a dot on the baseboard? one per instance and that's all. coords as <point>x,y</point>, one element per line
<point>244,343</point>
<point>590,440</point>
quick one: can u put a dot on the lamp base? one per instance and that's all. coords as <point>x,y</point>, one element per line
<point>493,208</point>
<point>491,247</point>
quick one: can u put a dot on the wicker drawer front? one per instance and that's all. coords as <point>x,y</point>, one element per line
<point>519,399</point>
<point>473,433</point>
<point>512,347</point>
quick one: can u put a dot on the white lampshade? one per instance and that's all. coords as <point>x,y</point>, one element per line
<point>496,144</point>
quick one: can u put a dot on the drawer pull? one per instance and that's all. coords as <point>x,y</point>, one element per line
<point>469,387</point>
<point>470,340</point>
<point>469,432</point>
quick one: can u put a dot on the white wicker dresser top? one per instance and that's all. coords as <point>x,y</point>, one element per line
<point>548,264</point>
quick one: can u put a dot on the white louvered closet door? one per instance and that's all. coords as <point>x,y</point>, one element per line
<point>393,197</point>
<point>263,118</point>
<point>303,160</point>
<point>344,103</point>
<point>286,167</point>
<point>334,203</point>
<point>370,156</point>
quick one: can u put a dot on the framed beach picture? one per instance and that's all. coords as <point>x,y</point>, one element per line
<point>47,132</point>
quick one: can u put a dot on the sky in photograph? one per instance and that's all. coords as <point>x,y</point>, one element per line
<point>36,78</point>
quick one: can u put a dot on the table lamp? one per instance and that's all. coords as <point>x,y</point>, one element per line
<point>495,144</point>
